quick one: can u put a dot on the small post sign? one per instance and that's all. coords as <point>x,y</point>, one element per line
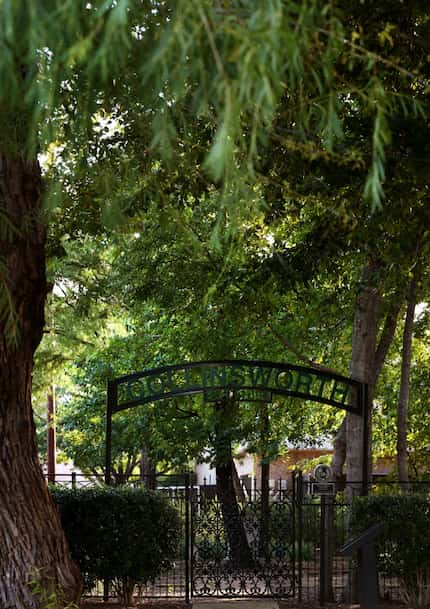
<point>323,484</point>
<point>322,488</point>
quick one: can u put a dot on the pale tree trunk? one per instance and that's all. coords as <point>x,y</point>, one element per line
<point>402,407</point>
<point>361,368</point>
<point>366,364</point>
<point>349,440</point>
<point>32,540</point>
<point>148,471</point>
<point>339,454</point>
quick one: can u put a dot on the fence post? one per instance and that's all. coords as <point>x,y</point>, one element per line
<point>299,501</point>
<point>73,480</point>
<point>187,538</point>
<point>323,553</point>
<point>364,547</point>
<point>294,528</point>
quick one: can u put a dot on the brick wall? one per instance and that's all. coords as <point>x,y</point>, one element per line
<point>280,469</point>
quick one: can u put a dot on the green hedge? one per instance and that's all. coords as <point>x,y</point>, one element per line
<point>404,547</point>
<point>124,535</point>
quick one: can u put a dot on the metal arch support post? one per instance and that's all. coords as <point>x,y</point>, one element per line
<point>111,401</point>
<point>364,390</point>
<point>188,543</point>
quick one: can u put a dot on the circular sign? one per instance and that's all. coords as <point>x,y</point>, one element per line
<point>322,472</point>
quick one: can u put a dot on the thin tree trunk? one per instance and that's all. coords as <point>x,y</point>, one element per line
<point>238,488</point>
<point>339,454</point>
<point>240,552</point>
<point>387,335</point>
<point>147,470</point>
<point>32,540</point>
<point>402,408</point>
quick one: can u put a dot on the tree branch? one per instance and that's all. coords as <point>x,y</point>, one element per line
<point>387,336</point>
<point>298,354</point>
<point>187,414</point>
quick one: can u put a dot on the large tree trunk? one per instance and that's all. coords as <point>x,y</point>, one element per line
<point>32,540</point>
<point>402,408</point>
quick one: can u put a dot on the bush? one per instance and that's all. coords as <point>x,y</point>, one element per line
<point>404,548</point>
<point>124,535</point>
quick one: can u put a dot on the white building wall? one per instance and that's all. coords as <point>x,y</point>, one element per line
<point>206,473</point>
<point>245,465</point>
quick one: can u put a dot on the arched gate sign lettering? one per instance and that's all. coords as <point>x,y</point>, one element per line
<point>242,380</point>
<point>235,554</point>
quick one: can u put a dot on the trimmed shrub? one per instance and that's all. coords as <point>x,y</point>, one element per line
<point>404,548</point>
<point>124,535</point>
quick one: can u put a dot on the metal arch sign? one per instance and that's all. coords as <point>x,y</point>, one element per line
<point>252,380</point>
<point>247,380</point>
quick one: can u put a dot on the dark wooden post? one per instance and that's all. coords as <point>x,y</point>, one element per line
<point>364,546</point>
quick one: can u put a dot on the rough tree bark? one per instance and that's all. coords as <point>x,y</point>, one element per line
<point>361,368</point>
<point>238,488</point>
<point>402,407</point>
<point>240,551</point>
<point>148,470</point>
<point>366,364</point>
<point>32,539</point>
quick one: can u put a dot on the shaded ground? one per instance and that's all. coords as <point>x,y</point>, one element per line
<point>140,605</point>
<point>87,604</point>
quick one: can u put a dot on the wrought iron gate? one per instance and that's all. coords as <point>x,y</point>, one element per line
<point>247,553</point>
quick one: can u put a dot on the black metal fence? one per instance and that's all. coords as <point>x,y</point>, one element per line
<point>303,532</point>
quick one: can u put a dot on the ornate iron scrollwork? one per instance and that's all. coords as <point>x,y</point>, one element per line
<point>265,568</point>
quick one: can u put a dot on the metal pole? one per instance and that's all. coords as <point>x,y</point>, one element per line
<point>365,409</point>
<point>294,532</point>
<point>300,500</point>
<point>323,553</point>
<point>187,538</point>
<point>111,402</point>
